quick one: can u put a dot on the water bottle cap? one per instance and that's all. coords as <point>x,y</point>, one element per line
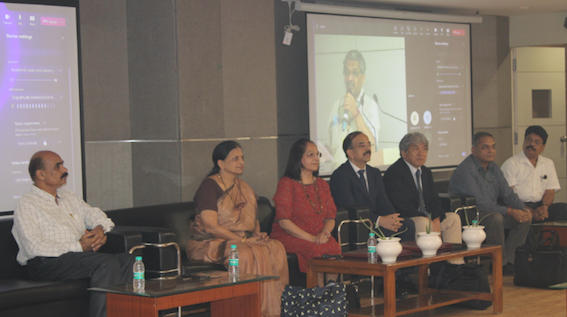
<point>233,246</point>
<point>138,258</point>
<point>475,222</point>
<point>371,234</point>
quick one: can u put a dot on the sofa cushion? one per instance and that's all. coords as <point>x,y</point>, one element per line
<point>9,267</point>
<point>16,292</point>
<point>154,216</point>
<point>266,214</point>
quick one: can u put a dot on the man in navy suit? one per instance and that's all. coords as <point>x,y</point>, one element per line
<point>409,185</point>
<point>357,184</point>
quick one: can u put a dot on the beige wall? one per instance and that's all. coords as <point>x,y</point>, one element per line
<point>492,105</point>
<point>166,80</point>
<point>538,29</point>
<point>106,102</point>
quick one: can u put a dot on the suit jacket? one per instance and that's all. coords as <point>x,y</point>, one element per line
<point>348,192</point>
<point>403,194</point>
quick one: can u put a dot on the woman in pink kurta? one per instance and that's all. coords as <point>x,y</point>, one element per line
<point>305,211</point>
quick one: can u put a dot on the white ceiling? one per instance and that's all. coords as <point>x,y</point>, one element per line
<point>483,7</point>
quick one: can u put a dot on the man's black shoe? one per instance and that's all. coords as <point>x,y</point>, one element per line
<point>508,269</point>
<point>401,293</point>
<point>405,287</point>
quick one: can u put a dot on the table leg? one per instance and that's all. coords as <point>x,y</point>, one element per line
<point>311,278</point>
<point>497,292</point>
<point>389,292</point>
<point>422,284</point>
<point>422,279</point>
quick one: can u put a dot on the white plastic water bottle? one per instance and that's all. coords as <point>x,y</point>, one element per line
<point>372,255</point>
<point>233,269</point>
<point>139,282</point>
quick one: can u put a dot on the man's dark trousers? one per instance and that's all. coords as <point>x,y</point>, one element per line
<point>101,268</point>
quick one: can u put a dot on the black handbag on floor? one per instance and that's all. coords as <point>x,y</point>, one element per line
<point>541,261</point>
<point>466,277</point>
<point>328,301</point>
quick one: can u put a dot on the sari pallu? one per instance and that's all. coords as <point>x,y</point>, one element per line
<point>236,211</point>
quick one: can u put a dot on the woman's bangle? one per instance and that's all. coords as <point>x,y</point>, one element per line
<point>243,239</point>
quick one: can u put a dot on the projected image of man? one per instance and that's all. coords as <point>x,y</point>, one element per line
<point>356,110</point>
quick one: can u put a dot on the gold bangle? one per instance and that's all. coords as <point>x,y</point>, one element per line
<point>243,239</point>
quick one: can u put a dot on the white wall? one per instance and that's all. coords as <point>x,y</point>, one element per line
<point>538,29</point>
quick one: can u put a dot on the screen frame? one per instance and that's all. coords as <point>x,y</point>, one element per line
<point>471,83</point>
<point>72,4</point>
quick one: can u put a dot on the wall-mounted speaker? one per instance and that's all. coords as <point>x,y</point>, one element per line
<point>565,23</point>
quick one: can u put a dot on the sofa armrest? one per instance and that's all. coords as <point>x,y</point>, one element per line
<point>450,203</point>
<point>120,241</point>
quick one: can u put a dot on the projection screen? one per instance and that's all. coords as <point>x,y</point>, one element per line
<point>388,77</point>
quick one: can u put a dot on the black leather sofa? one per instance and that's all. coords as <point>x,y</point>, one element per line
<point>22,297</point>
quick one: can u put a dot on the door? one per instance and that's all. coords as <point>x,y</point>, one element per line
<point>538,96</point>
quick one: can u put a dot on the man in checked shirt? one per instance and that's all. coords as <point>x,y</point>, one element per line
<point>58,234</point>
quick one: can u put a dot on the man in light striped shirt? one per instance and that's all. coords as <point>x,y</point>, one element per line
<point>58,234</point>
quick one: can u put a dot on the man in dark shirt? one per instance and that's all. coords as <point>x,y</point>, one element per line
<point>357,184</point>
<point>498,205</point>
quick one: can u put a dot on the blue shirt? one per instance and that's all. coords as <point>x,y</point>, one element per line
<point>488,186</point>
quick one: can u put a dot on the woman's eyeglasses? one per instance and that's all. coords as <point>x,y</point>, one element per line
<point>313,154</point>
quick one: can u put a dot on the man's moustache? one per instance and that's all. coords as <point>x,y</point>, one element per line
<point>529,147</point>
<point>368,152</point>
<point>64,175</point>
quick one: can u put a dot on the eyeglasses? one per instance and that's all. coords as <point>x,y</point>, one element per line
<point>535,141</point>
<point>313,154</point>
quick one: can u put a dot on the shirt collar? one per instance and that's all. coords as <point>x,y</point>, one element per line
<point>360,95</point>
<point>489,167</point>
<point>45,195</point>
<point>412,168</point>
<point>526,160</point>
<point>356,168</point>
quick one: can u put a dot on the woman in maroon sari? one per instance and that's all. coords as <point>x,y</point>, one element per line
<point>305,210</point>
<point>227,215</point>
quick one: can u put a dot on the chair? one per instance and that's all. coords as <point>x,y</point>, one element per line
<point>458,204</point>
<point>468,203</point>
<point>357,232</point>
<point>359,240</point>
<point>465,210</point>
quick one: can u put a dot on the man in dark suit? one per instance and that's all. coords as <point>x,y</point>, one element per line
<point>356,184</point>
<point>409,185</point>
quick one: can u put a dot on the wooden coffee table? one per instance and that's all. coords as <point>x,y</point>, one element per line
<point>427,298</point>
<point>241,298</point>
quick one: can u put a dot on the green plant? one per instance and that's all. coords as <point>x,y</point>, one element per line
<point>379,234</point>
<point>428,226</point>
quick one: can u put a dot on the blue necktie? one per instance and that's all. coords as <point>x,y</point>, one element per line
<point>421,209</point>
<point>362,180</point>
